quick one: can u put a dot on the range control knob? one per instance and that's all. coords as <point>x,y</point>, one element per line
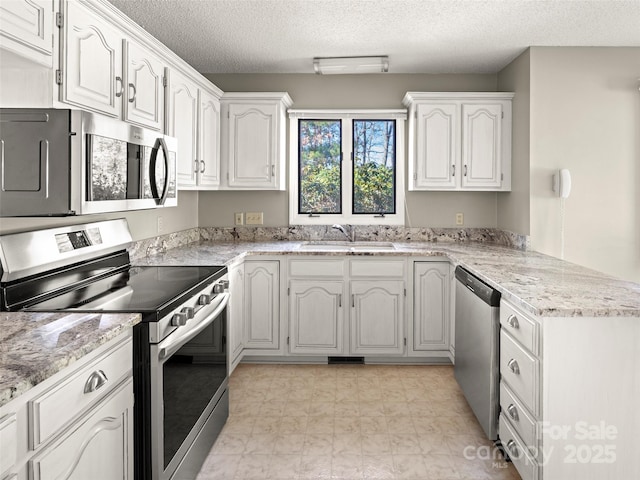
<point>189,312</point>
<point>204,299</point>
<point>178,319</point>
<point>218,288</point>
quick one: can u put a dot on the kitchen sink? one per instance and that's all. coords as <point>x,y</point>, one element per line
<point>348,246</point>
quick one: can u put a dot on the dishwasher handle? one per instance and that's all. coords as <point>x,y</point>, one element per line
<point>485,292</point>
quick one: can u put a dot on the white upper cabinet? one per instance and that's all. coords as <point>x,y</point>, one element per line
<point>209,141</point>
<point>193,117</point>
<point>91,61</point>
<point>26,29</point>
<point>104,71</point>
<point>459,141</point>
<point>254,140</point>
<point>182,123</point>
<point>145,89</point>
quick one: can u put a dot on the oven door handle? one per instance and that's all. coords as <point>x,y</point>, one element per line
<point>184,334</point>
<point>159,197</point>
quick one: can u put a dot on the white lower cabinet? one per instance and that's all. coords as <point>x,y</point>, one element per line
<point>377,317</point>
<point>346,306</point>
<point>316,317</point>
<point>77,424</point>
<point>262,305</point>
<point>97,446</point>
<point>235,315</point>
<point>431,306</point>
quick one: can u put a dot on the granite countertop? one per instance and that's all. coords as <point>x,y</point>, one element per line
<point>35,346</point>
<point>542,285</point>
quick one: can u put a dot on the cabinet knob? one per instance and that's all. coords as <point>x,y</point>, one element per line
<point>203,165</point>
<point>513,365</point>
<point>465,170</point>
<point>120,90</point>
<point>513,412</point>
<point>95,381</point>
<point>133,97</point>
<point>513,322</point>
<point>197,163</point>
<point>453,170</point>
<point>513,449</point>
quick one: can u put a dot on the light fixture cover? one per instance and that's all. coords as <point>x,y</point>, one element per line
<point>346,65</point>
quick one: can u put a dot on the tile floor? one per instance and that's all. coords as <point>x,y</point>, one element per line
<point>350,422</point>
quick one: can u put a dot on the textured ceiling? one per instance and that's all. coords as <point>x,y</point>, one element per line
<point>441,36</point>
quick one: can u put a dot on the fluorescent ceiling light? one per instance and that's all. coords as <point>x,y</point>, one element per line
<point>344,65</point>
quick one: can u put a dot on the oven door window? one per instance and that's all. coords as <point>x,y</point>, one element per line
<point>191,377</point>
<point>108,169</point>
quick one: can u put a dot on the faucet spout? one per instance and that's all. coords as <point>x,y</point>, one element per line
<point>351,236</point>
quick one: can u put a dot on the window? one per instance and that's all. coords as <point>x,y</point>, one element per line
<point>347,167</point>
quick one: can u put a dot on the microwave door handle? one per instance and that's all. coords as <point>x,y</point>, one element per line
<point>160,143</point>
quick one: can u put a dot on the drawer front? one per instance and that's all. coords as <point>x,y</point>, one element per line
<point>8,442</point>
<point>526,466</point>
<point>519,326</point>
<point>377,268</point>
<point>316,268</point>
<point>521,421</point>
<point>519,369</point>
<point>98,446</point>
<point>56,407</point>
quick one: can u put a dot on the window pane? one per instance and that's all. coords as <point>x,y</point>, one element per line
<point>374,166</point>
<point>320,183</point>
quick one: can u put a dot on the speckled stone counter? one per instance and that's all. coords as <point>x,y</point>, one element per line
<point>542,285</point>
<point>35,346</point>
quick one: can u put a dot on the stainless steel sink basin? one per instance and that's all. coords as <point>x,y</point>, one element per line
<point>348,246</point>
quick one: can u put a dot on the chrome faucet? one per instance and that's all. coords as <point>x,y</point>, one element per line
<point>352,236</point>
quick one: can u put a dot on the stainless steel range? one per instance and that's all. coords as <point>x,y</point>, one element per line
<point>180,361</point>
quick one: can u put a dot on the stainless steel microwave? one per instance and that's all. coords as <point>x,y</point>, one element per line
<point>69,162</point>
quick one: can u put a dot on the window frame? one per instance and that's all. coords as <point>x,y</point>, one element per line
<point>347,216</point>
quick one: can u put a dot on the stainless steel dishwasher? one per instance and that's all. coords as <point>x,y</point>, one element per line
<point>477,348</point>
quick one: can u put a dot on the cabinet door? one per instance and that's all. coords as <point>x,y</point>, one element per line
<point>261,305</point>
<point>144,102</point>
<point>316,317</point>
<point>99,445</point>
<point>431,306</point>
<point>377,317</point>
<point>27,28</point>
<point>481,145</point>
<point>183,124</point>
<point>236,315</point>
<point>437,147</point>
<point>253,141</point>
<point>92,57</point>
<point>209,141</point>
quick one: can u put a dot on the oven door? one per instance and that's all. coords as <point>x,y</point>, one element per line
<point>189,376</point>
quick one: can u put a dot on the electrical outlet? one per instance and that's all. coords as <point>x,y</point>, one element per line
<point>459,218</point>
<point>160,225</point>
<point>239,218</point>
<point>254,218</point>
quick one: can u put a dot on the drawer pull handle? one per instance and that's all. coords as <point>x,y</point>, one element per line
<point>513,322</point>
<point>513,412</point>
<point>513,449</point>
<point>513,365</point>
<point>95,381</point>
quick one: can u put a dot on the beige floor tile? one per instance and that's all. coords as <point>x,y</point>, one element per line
<point>348,422</point>
<point>378,467</point>
<point>317,467</point>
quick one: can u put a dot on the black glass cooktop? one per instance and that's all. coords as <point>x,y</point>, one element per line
<point>146,289</point>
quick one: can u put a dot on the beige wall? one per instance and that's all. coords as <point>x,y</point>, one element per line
<point>143,223</point>
<point>429,209</point>
<point>513,207</point>
<point>585,116</point>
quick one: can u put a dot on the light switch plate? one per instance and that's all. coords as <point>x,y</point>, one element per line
<point>239,218</point>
